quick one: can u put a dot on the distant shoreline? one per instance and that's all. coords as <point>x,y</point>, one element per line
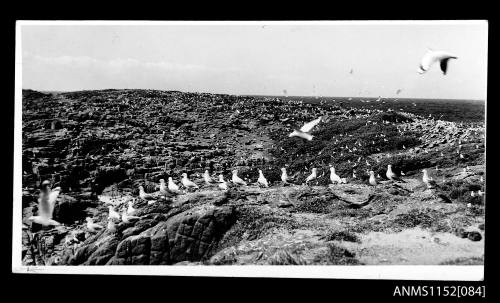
<point>265,96</point>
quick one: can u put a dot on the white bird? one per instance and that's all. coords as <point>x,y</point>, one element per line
<point>188,183</point>
<point>113,214</point>
<point>164,191</point>
<point>222,183</point>
<point>145,196</point>
<point>111,226</point>
<point>432,57</point>
<point>481,179</point>
<point>390,174</point>
<point>130,209</point>
<point>128,219</point>
<point>206,177</point>
<point>172,186</point>
<point>262,180</point>
<point>428,180</point>
<point>312,176</point>
<point>91,226</point>
<point>372,179</point>
<point>284,176</point>
<point>334,177</point>
<point>46,204</point>
<point>472,194</point>
<point>305,129</point>
<point>480,193</point>
<point>237,180</point>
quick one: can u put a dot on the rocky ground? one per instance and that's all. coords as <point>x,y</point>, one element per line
<point>107,143</point>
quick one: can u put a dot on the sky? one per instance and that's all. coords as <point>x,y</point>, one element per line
<point>303,59</point>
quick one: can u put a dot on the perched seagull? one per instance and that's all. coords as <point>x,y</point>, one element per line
<point>304,131</point>
<point>472,194</point>
<point>145,196</point>
<point>188,183</point>
<point>111,226</point>
<point>432,57</point>
<point>130,209</point>
<point>113,214</point>
<point>312,176</point>
<point>46,203</point>
<point>91,226</point>
<point>172,186</point>
<point>222,183</point>
<point>262,180</point>
<point>481,179</point>
<point>284,176</point>
<point>372,179</point>
<point>128,219</point>
<point>206,177</point>
<point>427,180</point>
<point>164,191</point>
<point>237,180</point>
<point>391,175</point>
<point>334,177</point>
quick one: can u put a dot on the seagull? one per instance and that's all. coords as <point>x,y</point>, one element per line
<point>428,180</point>
<point>304,131</point>
<point>46,203</point>
<point>222,183</point>
<point>480,193</point>
<point>113,214</point>
<point>334,177</point>
<point>91,226</point>
<point>284,176</point>
<point>432,57</point>
<point>391,175</point>
<point>372,179</point>
<point>237,180</point>
<point>164,189</point>
<point>262,180</point>
<point>111,226</point>
<point>128,219</point>
<point>312,176</point>
<point>472,194</point>
<point>206,177</point>
<point>172,186</point>
<point>130,209</point>
<point>145,196</point>
<point>188,183</point>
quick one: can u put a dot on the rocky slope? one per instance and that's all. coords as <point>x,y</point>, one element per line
<point>109,142</point>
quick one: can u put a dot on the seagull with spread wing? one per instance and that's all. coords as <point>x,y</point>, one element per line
<point>46,204</point>
<point>433,56</point>
<point>304,130</point>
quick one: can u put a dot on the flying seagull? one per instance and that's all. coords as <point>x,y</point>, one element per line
<point>304,130</point>
<point>432,57</point>
<point>46,204</point>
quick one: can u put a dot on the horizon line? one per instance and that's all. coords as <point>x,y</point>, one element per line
<point>246,95</point>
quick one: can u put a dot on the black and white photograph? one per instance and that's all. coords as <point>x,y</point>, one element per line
<point>330,149</point>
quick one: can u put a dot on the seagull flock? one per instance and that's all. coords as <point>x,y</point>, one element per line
<point>48,197</point>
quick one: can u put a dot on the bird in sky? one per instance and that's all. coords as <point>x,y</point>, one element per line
<point>433,56</point>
